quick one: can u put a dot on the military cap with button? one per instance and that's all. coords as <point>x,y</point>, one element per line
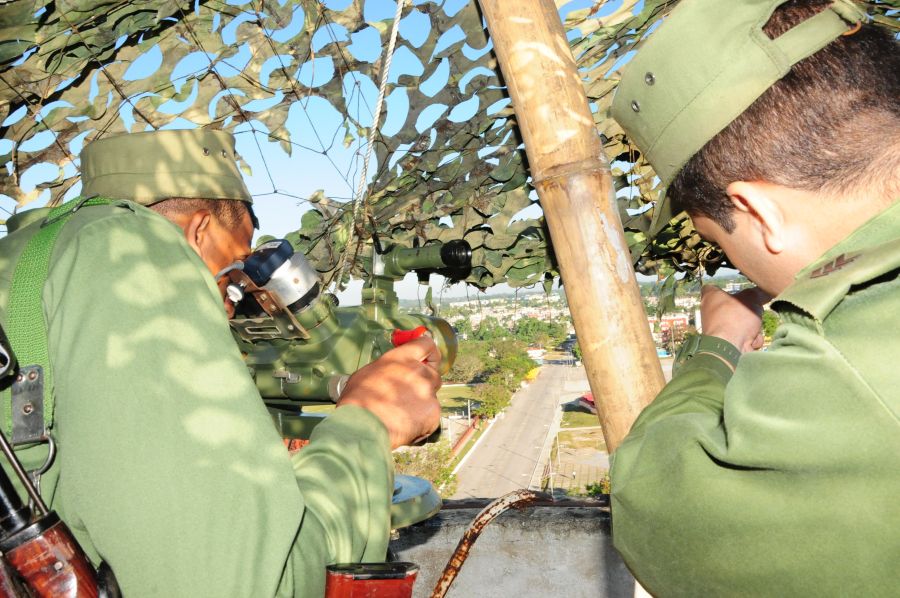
<point>153,166</point>
<point>706,64</point>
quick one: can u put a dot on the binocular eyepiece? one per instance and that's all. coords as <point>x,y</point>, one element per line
<point>452,260</point>
<point>456,254</point>
<point>273,272</point>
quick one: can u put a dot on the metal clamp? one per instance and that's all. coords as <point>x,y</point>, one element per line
<point>28,406</point>
<point>35,474</point>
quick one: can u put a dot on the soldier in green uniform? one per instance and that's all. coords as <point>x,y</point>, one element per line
<point>776,126</point>
<point>168,466</point>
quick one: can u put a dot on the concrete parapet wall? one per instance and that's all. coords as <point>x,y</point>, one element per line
<point>540,551</point>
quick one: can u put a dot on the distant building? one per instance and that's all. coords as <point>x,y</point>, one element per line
<point>687,301</point>
<point>669,326</point>
<point>674,321</point>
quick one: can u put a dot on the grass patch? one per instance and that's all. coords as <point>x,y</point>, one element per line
<point>453,399</point>
<point>577,439</point>
<point>578,419</point>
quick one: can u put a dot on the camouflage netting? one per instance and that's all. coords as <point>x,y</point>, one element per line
<point>451,166</point>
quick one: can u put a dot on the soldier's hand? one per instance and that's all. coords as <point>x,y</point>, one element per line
<point>736,318</point>
<point>400,388</point>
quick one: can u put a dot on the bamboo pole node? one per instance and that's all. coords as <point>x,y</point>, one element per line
<point>574,184</point>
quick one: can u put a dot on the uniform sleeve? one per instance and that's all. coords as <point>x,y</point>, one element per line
<point>780,481</point>
<point>346,474</point>
<point>170,467</point>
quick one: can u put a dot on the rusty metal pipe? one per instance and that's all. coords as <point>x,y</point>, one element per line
<point>516,499</point>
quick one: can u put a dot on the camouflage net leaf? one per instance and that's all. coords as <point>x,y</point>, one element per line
<point>449,160</point>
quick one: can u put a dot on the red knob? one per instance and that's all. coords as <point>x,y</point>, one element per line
<point>400,337</point>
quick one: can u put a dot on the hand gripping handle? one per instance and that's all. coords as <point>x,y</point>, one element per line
<point>400,337</point>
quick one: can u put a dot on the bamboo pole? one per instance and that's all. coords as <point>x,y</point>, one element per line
<point>573,182</point>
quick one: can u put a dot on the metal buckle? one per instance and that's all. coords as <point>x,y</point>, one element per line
<point>28,406</point>
<point>77,206</point>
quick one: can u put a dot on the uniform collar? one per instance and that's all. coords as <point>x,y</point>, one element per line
<point>869,252</point>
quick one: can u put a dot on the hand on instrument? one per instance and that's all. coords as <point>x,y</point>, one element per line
<point>400,388</point>
<point>736,318</point>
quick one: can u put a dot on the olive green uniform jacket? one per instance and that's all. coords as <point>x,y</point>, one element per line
<point>169,466</point>
<point>783,479</point>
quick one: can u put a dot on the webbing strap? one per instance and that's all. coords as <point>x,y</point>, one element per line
<point>25,324</point>
<point>818,31</point>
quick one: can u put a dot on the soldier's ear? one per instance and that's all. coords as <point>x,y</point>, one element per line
<point>763,211</point>
<point>197,230</point>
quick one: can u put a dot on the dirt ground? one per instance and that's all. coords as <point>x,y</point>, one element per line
<point>578,458</point>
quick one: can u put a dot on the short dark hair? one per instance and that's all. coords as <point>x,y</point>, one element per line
<point>829,125</point>
<point>228,212</point>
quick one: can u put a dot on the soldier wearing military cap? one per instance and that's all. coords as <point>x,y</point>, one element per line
<point>776,126</point>
<point>168,466</point>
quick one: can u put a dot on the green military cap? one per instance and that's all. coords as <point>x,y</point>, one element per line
<point>153,166</point>
<point>710,60</point>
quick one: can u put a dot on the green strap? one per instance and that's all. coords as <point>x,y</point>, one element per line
<point>26,326</point>
<point>818,31</point>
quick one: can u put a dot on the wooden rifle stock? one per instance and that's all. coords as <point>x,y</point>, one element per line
<point>41,552</point>
<point>49,561</point>
<point>41,558</point>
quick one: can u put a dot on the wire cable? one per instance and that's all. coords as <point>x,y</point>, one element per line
<point>359,198</point>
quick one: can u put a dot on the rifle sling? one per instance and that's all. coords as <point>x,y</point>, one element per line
<point>26,325</point>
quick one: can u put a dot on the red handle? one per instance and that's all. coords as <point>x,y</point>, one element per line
<point>400,337</point>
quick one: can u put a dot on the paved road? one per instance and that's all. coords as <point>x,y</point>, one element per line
<point>508,455</point>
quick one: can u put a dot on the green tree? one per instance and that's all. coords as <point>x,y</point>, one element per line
<point>514,367</point>
<point>532,331</point>
<point>508,348</point>
<point>504,365</point>
<point>527,329</point>
<point>432,462</point>
<point>484,351</point>
<point>468,366</point>
<point>493,397</point>
<point>490,329</point>
<point>542,339</point>
<point>770,322</point>
<point>463,327</point>
<point>576,351</point>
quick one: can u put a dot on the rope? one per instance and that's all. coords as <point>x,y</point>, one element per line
<point>358,197</point>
